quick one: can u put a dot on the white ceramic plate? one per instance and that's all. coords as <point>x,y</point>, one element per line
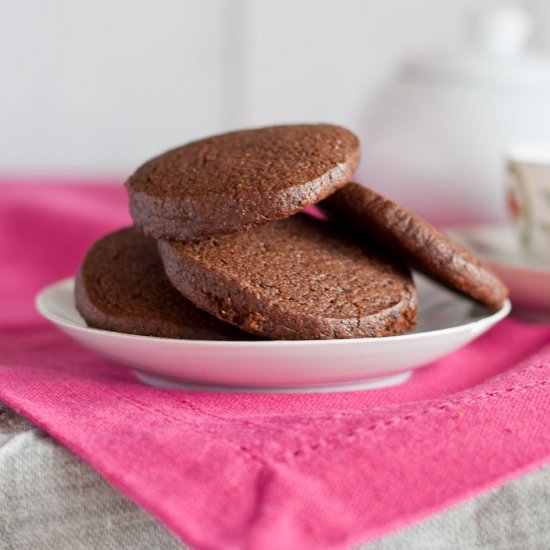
<point>447,322</point>
<point>528,279</point>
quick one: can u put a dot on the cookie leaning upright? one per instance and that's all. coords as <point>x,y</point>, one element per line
<point>418,243</point>
<point>231,182</point>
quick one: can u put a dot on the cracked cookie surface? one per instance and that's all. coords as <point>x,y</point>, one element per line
<point>295,279</point>
<point>232,182</point>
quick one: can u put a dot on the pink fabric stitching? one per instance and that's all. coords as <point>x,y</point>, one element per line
<point>340,438</point>
<point>350,436</point>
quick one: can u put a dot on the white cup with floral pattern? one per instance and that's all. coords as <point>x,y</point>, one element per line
<point>529,197</point>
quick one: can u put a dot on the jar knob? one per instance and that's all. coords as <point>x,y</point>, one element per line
<point>500,30</point>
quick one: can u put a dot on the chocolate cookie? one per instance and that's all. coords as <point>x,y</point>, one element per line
<point>121,286</point>
<point>298,278</point>
<point>227,183</point>
<point>416,242</point>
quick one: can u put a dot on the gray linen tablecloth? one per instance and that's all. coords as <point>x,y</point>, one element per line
<point>50,499</point>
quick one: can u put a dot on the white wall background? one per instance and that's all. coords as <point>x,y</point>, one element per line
<point>97,87</point>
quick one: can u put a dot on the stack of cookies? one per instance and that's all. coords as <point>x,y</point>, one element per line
<point>221,250</point>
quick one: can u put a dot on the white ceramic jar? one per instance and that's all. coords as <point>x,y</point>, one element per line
<point>437,136</point>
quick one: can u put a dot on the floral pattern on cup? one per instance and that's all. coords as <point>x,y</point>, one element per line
<point>528,197</point>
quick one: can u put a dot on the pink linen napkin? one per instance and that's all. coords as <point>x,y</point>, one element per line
<point>260,471</point>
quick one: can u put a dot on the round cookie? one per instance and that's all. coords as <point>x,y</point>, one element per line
<point>235,181</point>
<point>121,286</point>
<point>416,242</point>
<point>295,279</point>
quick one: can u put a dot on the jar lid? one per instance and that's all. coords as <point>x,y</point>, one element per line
<point>495,55</point>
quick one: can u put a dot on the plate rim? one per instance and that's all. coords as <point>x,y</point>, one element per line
<point>491,319</point>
